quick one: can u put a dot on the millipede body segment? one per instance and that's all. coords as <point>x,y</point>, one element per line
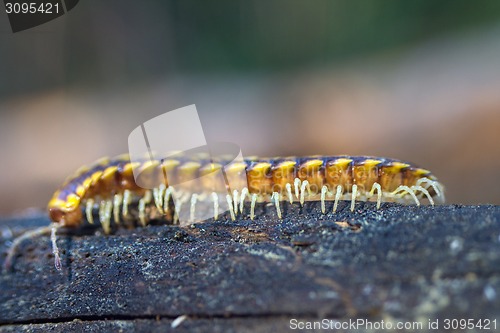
<point>110,187</point>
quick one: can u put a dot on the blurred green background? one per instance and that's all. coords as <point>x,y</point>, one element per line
<point>415,80</point>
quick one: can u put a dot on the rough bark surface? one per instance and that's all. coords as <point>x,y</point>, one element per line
<point>399,263</point>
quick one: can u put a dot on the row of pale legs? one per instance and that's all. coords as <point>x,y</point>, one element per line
<point>300,190</point>
<point>162,195</point>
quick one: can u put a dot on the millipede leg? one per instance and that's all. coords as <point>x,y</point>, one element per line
<point>338,194</point>
<point>182,197</point>
<point>215,198</point>
<point>296,184</point>
<point>105,215</point>
<point>441,196</point>
<point>354,194</point>
<point>252,206</point>
<point>305,184</point>
<point>235,201</point>
<point>244,193</point>
<point>424,191</point>
<point>89,206</point>
<point>156,193</point>
<point>376,186</point>
<point>194,199</point>
<point>404,188</point>
<point>146,199</point>
<point>230,204</point>
<point>435,185</point>
<point>162,189</point>
<point>102,206</point>
<point>126,201</point>
<point>117,200</point>
<point>324,190</point>
<point>289,194</point>
<point>276,198</point>
<point>158,197</point>
<point>177,209</point>
<point>55,249</point>
<point>166,202</point>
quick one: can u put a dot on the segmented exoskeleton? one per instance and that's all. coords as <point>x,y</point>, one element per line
<point>110,187</point>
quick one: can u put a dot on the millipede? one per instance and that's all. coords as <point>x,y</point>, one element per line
<point>108,188</point>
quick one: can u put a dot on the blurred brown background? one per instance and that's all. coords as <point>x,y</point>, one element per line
<point>418,81</point>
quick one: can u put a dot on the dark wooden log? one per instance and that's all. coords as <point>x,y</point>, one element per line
<point>397,264</point>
